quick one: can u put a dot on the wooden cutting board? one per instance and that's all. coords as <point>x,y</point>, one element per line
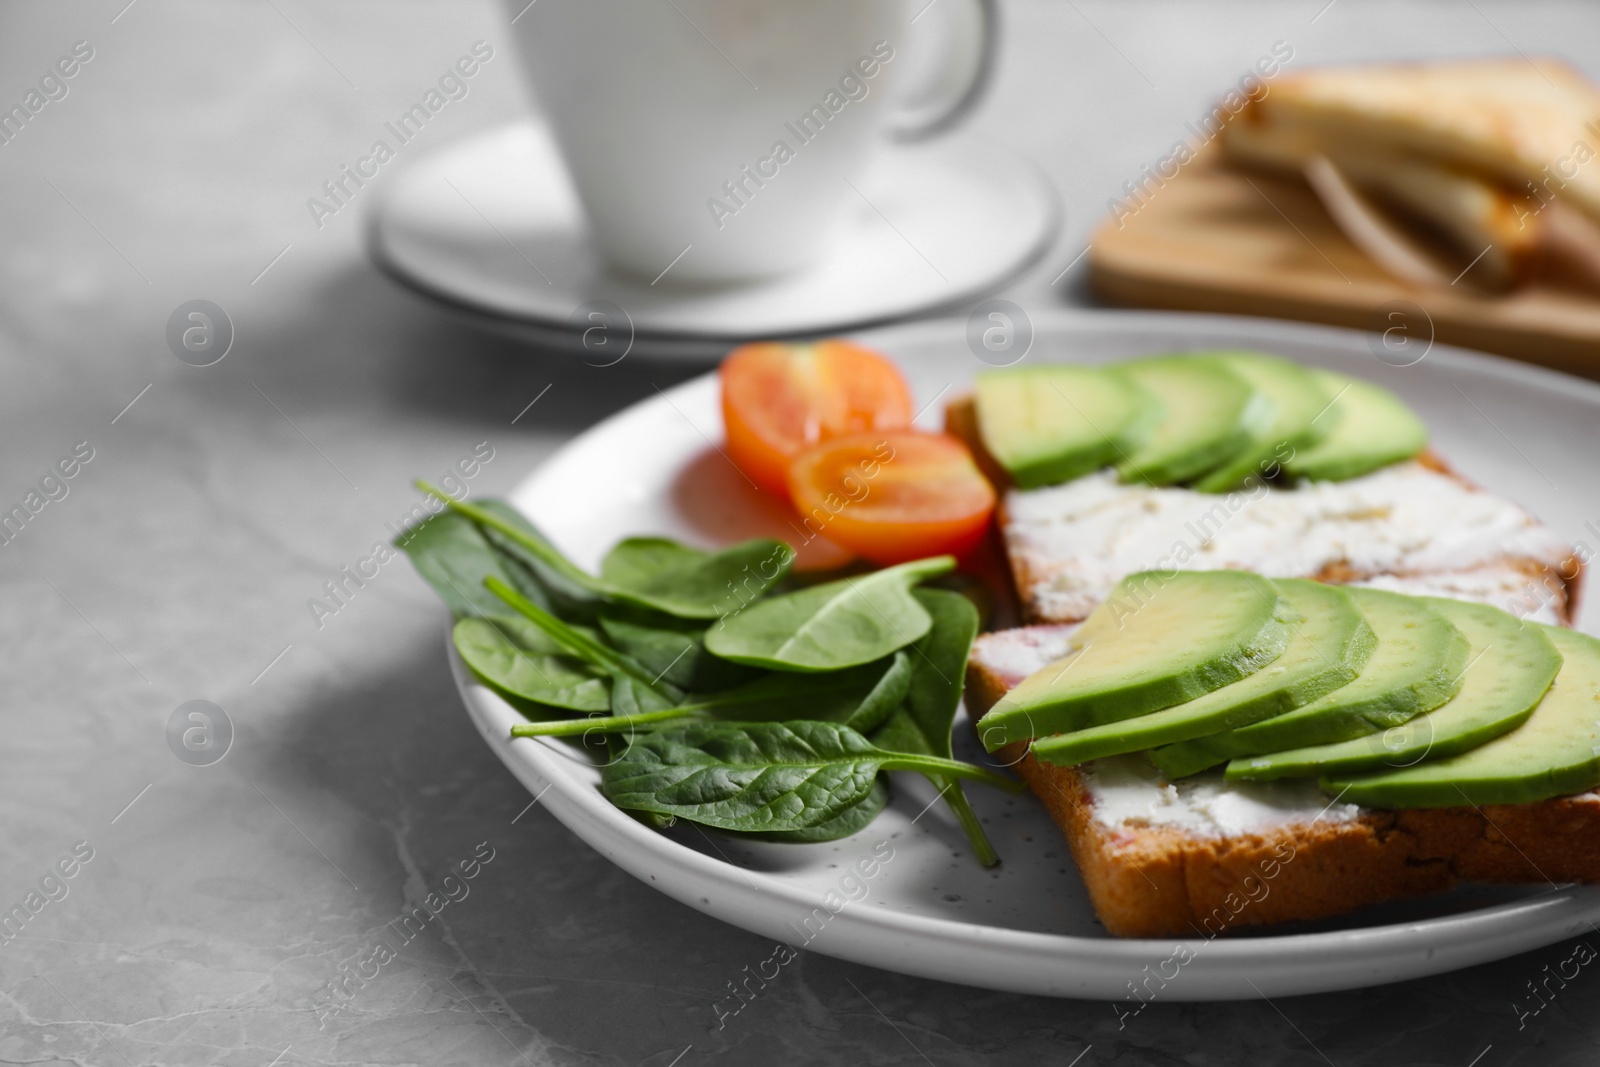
<point>1218,239</point>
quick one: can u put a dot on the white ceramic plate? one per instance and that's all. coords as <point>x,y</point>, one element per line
<point>1027,927</point>
<point>491,226</point>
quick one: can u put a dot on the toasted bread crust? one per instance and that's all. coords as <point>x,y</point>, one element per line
<point>1161,881</point>
<point>1155,882</point>
<point>1549,841</point>
<point>961,420</point>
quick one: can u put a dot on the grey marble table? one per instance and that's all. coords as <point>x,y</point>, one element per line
<point>211,909</point>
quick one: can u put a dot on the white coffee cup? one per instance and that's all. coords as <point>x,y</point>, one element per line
<point>717,141</point>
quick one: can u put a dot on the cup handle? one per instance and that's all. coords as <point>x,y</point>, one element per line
<point>970,34</point>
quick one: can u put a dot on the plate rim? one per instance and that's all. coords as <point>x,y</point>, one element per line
<point>1088,967</point>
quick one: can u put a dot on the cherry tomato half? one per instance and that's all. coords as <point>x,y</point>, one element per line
<point>893,496</point>
<point>779,399</point>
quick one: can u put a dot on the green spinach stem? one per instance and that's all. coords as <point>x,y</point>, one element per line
<point>935,765</point>
<point>545,552</point>
<point>603,724</point>
<point>968,820</point>
<point>576,643</point>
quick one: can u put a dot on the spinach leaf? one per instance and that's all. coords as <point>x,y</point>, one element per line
<point>853,820</point>
<point>516,658</point>
<point>885,697</point>
<point>673,648</point>
<point>633,688</point>
<point>506,520</point>
<point>453,556</point>
<point>569,597</point>
<point>691,583</point>
<point>798,580</point>
<point>938,671</point>
<point>761,777</point>
<point>651,573</point>
<point>631,696</point>
<point>861,698</point>
<point>923,723</point>
<point>827,627</point>
<point>980,592</point>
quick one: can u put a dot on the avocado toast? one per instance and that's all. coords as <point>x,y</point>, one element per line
<point>1203,855</point>
<point>1368,762</point>
<point>1345,491</point>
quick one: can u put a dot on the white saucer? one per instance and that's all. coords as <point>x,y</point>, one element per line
<point>491,226</point>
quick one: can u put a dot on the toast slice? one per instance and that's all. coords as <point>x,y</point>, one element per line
<point>1414,527</point>
<point>1529,125</point>
<point>1486,159</point>
<point>1202,857</point>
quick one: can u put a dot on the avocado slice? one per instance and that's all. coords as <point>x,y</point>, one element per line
<point>1416,667</point>
<point>1160,639</point>
<point>1302,416</point>
<point>1326,650</point>
<point>1375,429</point>
<point>1556,753</point>
<point>1054,422</point>
<point>1211,414</point>
<point>1512,665</point>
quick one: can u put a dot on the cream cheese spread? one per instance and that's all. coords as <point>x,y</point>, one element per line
<point>1126,791</point>
<point>1012,655</point>
<point>1074,542</point>
<point>1500,585</point>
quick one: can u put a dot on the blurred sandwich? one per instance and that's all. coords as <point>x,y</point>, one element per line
<point>1432,168</point>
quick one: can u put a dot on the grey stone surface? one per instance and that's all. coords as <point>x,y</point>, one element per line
<point>222,900</point>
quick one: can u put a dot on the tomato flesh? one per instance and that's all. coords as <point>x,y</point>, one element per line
<point>893,496</point>
<point>779,399</point>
